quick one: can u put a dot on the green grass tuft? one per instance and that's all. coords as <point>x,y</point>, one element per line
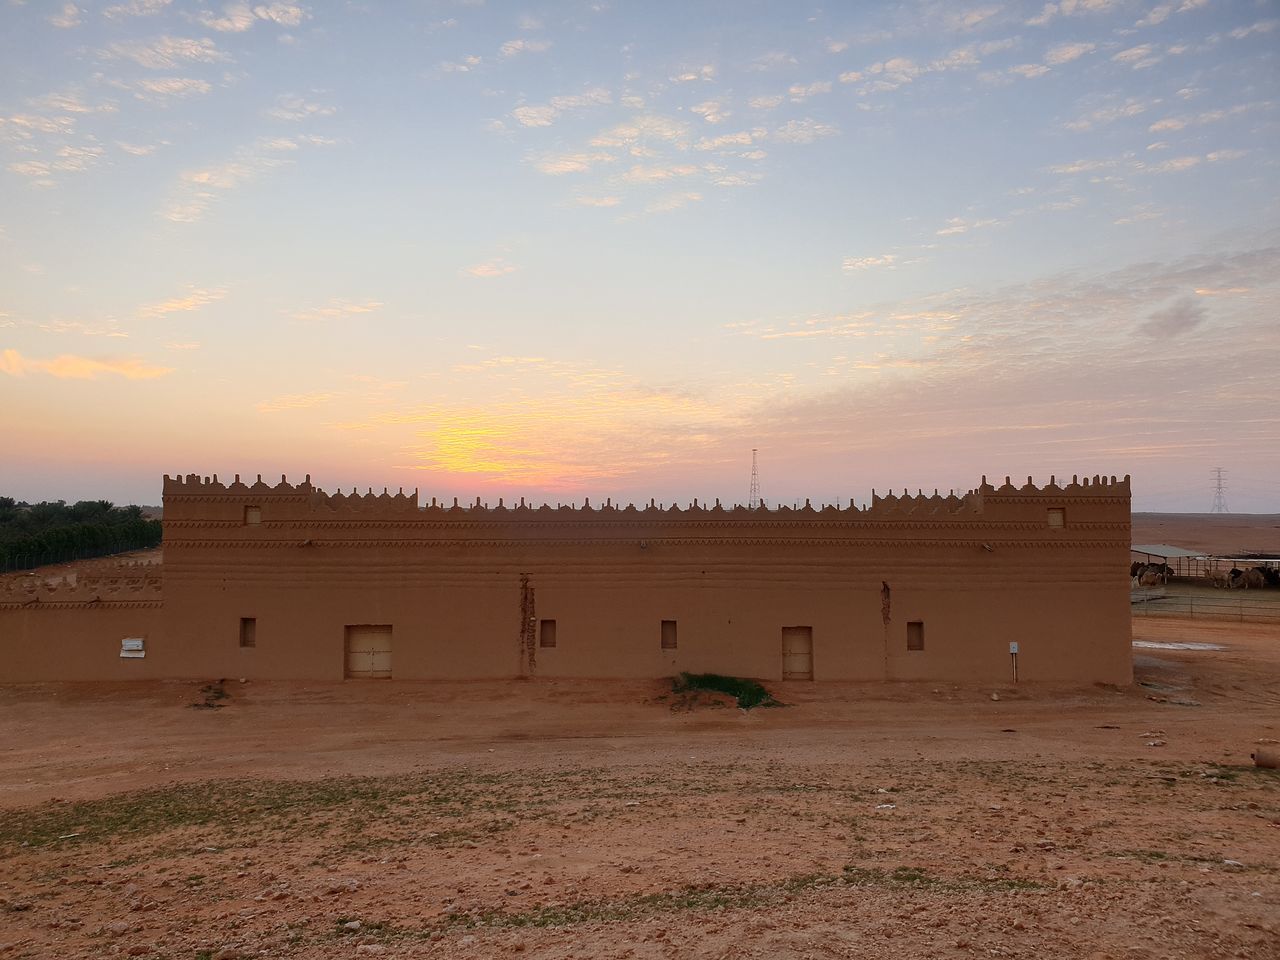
<point>749,693</point>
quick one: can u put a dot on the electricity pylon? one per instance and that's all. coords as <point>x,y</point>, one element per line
<point>1219,493</point>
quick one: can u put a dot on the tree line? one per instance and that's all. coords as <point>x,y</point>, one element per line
<point>35,534</point>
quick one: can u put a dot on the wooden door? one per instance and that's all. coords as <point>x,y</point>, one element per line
<point>369,652</point>
<point>797,653</point>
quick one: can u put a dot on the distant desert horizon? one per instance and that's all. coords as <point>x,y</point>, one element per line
<point>1221,534</point>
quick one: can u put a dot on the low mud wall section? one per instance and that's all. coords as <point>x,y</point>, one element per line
<point>43,641</point>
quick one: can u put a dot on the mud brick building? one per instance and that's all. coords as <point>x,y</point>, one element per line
<point>286,581</point>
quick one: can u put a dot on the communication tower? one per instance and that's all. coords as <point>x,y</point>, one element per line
<point>753,501</point>
<point>1219,492</point>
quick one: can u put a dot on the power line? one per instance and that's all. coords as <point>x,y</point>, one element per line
<point>1219,492</point>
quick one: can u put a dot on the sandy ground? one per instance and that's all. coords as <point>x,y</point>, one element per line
<point>612,819</point>
<point>1223,534</point>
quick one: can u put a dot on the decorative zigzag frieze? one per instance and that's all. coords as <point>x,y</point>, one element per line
<point>37,603</point>
<point>475,542</point>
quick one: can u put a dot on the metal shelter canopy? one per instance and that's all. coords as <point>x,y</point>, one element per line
<point>1166,551</point>
<point>1185,563</point>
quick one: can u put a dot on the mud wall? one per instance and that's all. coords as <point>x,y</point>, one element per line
<point>1040,566</point>
<point>76,632</point>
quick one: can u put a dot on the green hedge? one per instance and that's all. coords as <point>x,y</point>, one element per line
<point>35,534</point>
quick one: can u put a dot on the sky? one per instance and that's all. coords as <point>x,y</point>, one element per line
<point>606,249</point>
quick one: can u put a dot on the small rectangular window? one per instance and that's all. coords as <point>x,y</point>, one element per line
<point>252,515</point>
<point>248,631</point>
<point>668,634</point>
<point>546,633</point>
<point>915,634</point>
<point>1057,518</point>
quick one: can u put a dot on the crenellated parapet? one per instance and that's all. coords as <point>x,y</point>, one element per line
<point>1099,488</point>
<point>208,499</point>
<point>111,590</point>
<point>1008,501</point>
<point>206,513</point>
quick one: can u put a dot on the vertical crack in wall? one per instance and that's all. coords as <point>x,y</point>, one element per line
<point>528,625</point>
<point>886,613</point>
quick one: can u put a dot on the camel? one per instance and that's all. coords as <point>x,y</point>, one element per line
<point>1217,578</point>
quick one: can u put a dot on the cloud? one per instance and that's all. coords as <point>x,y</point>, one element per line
<point>543,115</point>
<point>239,17</point>
<point>673,201</point>
<point>773,60</point>
<point>891,74</point>
<point>105,328</point>
<point>852,264</point>
<point>705,72</point>
<point>167,53</point>
<point>1083,166</point>
<point>968,19</point>
<point>564,163</point>
<point>1176,165</point>
<point>598,201</point>
<point>199,190</point>
<point>194,299</point>
<point>799,92</point>
<point>958,225</point>
<point>641,173</point>
<point>1208,116</point>
<point>72,102</point>
<point>1139,57</point>
<point>136,149</point>
<point>290,106</point>
<point>1071,8</point>
<point>162,87</point>
<point>644,128</point>
<point>806,130</point>
<point>743,138</point>
<point>1053,374</point>
<point>1162,11</point>
<point>283,14</point>
<point>67,17</point>
<point>336,309</point>
<point>71,367</point>
<point>68,158</point>
<point>1066,52</point>
<point>497,267</point>
<point>24,126</point>
<point>521,45</point>
<point>765,103</point>
<point>295,401</point>
<point>136,8</point>
<point>1029,71</point>
<point>1262,26</point>
<point>588,425</point>
<point>712,111</point>
<point>465,65</point>
<point>1109,114</point>
<point>736,179</point>
<point>1176,319</point>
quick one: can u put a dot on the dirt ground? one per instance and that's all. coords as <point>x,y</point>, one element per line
<point>615,819</point>
<point>1221,534</point>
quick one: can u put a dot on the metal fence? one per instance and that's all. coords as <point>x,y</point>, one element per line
<point>1262,606</point>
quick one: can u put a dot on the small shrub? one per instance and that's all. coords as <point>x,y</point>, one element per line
<point>749,693</point>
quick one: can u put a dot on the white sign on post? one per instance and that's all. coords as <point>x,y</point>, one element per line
<point>1013,646</point>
